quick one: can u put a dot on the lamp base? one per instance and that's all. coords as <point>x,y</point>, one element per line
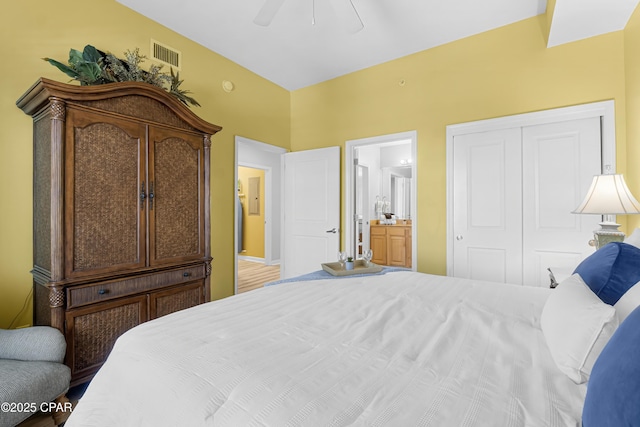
<point>607,233</point>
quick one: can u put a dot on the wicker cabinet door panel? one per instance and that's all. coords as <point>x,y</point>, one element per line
<point>92,331</point>
<point>104,177</point>
<point>175,299</point>
<point>176,211</point>
<point>42,194</point>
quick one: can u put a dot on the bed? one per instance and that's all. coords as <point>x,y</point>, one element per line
<point>396,349</point>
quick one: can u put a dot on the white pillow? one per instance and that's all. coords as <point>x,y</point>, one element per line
<point>634,238</point>
<point>576,325</point>
<point>628,302</point>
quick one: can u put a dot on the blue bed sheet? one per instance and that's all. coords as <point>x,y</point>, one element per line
<point>321,274</point>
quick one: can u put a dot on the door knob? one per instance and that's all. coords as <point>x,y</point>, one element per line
<point>459,237</point>
<point>333,230</point>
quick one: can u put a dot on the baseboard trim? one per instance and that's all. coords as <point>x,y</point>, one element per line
<point>257,259</point>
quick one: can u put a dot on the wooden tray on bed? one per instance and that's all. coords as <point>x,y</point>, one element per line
<point>335,269</point>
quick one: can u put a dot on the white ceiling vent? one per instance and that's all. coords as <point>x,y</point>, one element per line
<point>166,55</point>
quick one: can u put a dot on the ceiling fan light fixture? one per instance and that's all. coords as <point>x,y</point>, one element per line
<point>344,9</point>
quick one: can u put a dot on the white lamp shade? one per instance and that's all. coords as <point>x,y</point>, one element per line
<point>608,195</point>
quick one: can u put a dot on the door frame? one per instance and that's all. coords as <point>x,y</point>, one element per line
<point>257,146</point>
<point>349,193</point>
<point>366,238</point>
<point>604,109</point>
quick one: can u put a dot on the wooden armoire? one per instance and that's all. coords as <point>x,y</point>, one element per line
<point>121,230</point>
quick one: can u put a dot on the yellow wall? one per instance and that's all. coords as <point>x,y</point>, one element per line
<point>253,225</point>
<point>32,29</point>
<point>632,75</point>
<point>501,72</point>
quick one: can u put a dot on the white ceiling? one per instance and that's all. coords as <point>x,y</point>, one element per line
<point>293,53</point>
<point>578,19</point>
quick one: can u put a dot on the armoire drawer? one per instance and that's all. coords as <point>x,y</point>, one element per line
<point>104,291</point>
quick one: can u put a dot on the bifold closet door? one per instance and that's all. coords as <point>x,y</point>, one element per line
<point>559,161</point>
<point>488,206</point>
<point>514,190</point>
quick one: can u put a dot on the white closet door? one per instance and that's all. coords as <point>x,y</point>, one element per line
<point>559,161</point>
<point>487,204</point>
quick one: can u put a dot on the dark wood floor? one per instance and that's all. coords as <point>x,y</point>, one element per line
<point>253,275</point>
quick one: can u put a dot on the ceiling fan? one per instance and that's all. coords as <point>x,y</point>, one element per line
<point>343,8</point>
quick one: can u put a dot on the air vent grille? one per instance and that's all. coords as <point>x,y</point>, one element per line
<point>165,54</point>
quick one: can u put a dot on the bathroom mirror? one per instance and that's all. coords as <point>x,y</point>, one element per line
<point>396,187</point>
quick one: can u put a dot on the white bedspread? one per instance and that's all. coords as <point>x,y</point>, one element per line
<point>402,349</point>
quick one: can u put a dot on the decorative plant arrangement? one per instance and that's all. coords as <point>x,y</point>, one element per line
<point>95,67</point>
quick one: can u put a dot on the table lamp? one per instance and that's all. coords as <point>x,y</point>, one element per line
<point>608,196</point>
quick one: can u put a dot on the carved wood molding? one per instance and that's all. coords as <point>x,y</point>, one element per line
<point>208,268</point>
<point>56,296</point>
<point>44,90</point>
<point>58,109</point>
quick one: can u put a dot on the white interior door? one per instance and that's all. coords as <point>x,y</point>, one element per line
<point>560,160</point>
<point>311,217</point>
<point>487,203</point>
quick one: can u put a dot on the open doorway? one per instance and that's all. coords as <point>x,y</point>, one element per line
<point>253,268</point>
<point>380,198</point>
<point>257,213</point>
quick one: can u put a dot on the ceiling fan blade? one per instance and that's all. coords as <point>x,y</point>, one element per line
<point>268,11</point>
<point>347,12</point>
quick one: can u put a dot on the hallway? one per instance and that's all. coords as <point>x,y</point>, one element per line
<point>253,275</point>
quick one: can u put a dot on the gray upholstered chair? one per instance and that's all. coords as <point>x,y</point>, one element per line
<point>31,371</point>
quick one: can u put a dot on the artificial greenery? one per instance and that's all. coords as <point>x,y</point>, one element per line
<point>95,67</point>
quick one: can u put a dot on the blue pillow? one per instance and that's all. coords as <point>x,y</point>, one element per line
<point>611,270</point>
<point>613,391</point>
